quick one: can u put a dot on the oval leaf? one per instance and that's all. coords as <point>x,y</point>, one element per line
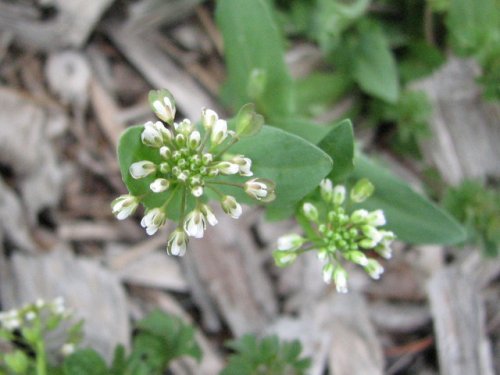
<point>412,217</point>
<point>295,165</point>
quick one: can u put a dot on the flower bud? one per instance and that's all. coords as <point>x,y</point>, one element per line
<point>374,269</point>
<point>151,135</point>
<point>357,257</point>
<point>159,185</point>
<point>338,195</point>
<point>359,216</point>
<point>261,189</point>
<point>326,188</point>
<point>231,206</point>
<point>328,270</point>
<point>165,152</point>
<point>290,242</point>
<point>376,218</point>
<point>142,169</point>
<point>163,105</point>
<point>195,224</point>
<point>244,164</point>
<point>208,118</point>
<point>177,243</point>
<point>340,279</point>
<point>153,220</point>
<point>284,258</point>
<point>197,191</point>
<point>227,168</point>
<point>212,220</point>
<point>124,206</point>
<point>185,127</point>
<point>310,211</point>
<point>219,132</point>
<point>362,190</point>
<point>194,139</point>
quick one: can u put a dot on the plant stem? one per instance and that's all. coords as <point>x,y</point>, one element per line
<point>41,360</point>
<point>225,183</point>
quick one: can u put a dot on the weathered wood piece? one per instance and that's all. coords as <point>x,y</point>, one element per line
<point>27,129</point>
<point>459,324</point>
<point>70,27</point>
<point>400,317</point>
<point>94,293</point>
<point>354,347</point>
<point>13,221</point>
<point>229,270</point>
<point>465,128</point>
<point>161,71</point>
<point>149,267</point>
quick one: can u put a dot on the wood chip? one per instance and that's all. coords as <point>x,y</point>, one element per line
<point>459,324</point>
<point>354,348</point>
<point>161,72</point>
<point>229,269</point>
<point>461,120</point>
<point>144,265</point>
<point>71,26</point>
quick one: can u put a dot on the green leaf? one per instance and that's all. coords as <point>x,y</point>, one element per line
<point>178,337</point>
<point>316,92</point>
<point>266,356</point>
<point>339,145</point>
<point>84,362</point>
<point>17,361</point>
<point>473,24</point>
<point>374,67</point>
<point>253,43</point>
<point>333,17</point>
<point>412,217</point>
<point>130,150</point>
<point>304,128</point>
<point>295,165</point>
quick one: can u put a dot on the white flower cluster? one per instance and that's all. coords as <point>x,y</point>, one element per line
<point>189,161</point>
<point>46,315</point>
<point>339,236</point>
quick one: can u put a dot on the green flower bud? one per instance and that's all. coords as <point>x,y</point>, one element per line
<point>310,211</point>
<point>362,190</point>
<point>284,258</point>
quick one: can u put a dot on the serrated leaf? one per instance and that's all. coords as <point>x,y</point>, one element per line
<point>252,42</point>
<point>374,66</point>
<point>339,145</point>
<point>412,217</point>
<point>84,362</point>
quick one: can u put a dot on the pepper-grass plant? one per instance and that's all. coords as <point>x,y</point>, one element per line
<point>339,234</point>
<point>158,339</point>
<point>25,333</point>
<point>186,160</point>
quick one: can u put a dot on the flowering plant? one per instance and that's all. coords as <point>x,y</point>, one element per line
<point>175,168</point>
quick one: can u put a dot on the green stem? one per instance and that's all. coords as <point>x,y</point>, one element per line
<point>225,183</point>
<point>204,141</point>
<point>225,149</point>
<point>41,359</point>
<point>183,205</point>
<point>217,191</point>
<point>169,199</point>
